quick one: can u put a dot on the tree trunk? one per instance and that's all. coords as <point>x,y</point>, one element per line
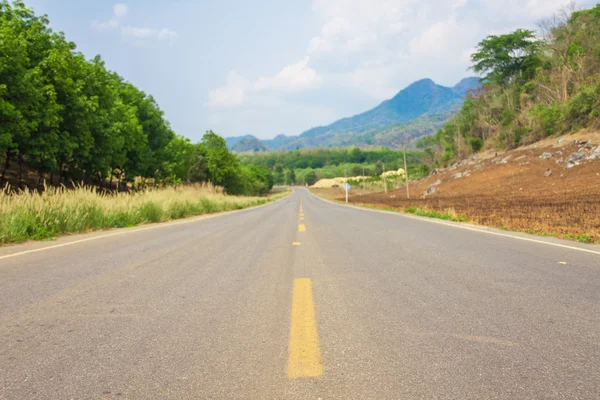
<point>565,86</point>
<point>6,165</point>
<point>20,172</point>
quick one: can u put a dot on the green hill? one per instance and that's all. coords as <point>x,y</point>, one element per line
<point>416,111</point>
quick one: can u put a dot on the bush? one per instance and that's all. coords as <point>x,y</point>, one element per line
<point>547,118</point>
<point>584,106</point>
<point>476,144</point>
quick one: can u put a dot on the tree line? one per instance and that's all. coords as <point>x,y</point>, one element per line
<point>534,85</point>
<point>309,165</point>
<point>68,119</point>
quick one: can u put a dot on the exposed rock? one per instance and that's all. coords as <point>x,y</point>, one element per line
<point>559,141</point>
<point>548,173</point>
<point>505,160</point>
<point>437,182</point>
<point>430,190</point>
<point>580,155</point>
<point>520,157</point>
<point>546,156</point>
<point>597,150</point>
<point>571,165</point>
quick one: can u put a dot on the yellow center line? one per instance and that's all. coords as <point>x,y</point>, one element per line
<point>304,352</point>
<point>296,244</point>
<point>301,228</point>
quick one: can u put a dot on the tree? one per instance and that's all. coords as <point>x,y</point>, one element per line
<point>279,176</point>
<point>221,165</point>
<point>310,178</point>
<point>290,177</point>
<point>378,168</point>
<point>505,58</point>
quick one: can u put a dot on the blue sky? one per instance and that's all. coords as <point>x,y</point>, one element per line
<point>269,66</point>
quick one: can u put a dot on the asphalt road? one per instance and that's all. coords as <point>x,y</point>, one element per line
<point>300,299</point>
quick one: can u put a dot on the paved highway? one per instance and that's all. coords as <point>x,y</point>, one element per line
<point>300,299</point>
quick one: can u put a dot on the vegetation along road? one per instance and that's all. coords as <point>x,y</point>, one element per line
<point>300,299</point>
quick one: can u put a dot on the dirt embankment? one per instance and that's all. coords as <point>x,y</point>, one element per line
<point>550,187</point>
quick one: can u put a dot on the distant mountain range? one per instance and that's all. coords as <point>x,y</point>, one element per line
<point>418,110</point>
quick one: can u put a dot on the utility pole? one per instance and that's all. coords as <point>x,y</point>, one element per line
<point>384,181</point>
<point>405,170</point>
<point>364,180</point>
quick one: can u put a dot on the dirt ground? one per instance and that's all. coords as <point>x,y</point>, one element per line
<point>534,189</point>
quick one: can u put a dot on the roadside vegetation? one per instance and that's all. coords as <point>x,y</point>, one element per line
<point>534,86</point>
<point>70,121</point>
<point>59,211</point>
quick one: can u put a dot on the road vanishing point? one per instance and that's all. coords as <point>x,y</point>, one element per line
<point>300,299</point>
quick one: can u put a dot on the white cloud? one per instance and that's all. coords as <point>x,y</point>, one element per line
<point>232,94</point>
<point>439,39</point>
<point>167,34</point>
<point>139,34</point>
<point>460,3</point>
<point>238,90</point>
<point>109,25</point>
<point>293,77</point>
<point>143,34</point>
<point>120,10</point>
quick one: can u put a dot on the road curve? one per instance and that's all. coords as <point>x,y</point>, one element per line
<point>300,299</point>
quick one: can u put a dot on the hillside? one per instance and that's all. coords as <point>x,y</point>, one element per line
<point>537,84</point>
<point>416,111</point>
<point>545,188</point>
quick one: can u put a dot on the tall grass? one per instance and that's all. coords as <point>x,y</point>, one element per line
<point>58,211</point>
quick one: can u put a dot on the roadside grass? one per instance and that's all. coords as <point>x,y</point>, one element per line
<point>30,215</point>
<point>448,215</point>
<point>491,218</point>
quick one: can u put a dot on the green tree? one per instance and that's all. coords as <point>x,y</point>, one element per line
<point>290,177</point>
<point>310,178</point>
<point>504,58</point>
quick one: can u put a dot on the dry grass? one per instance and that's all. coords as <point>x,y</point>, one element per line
<point>574,217</point>
<point>31,215</point>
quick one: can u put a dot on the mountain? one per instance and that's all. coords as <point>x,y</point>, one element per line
<point>232,141</point>
<point>247,143</point>
<point>418,110</point>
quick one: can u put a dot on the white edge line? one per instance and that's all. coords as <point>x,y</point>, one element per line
<point>458,225</point>
<point>145,228</point>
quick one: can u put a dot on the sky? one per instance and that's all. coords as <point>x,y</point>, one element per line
<point>266,67</point>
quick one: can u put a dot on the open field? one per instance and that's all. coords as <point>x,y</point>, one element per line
<point>31,215</point>
<point>511,190</point>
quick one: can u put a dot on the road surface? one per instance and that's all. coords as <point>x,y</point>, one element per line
<point>300,299</point>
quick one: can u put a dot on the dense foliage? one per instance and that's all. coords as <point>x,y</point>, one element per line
<point>65,118</point>
<point>310,165</point>
<point>534,86</point>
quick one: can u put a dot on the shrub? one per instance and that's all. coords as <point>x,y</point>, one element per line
<point>476,144</point>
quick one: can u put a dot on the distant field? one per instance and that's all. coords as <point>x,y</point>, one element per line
<point>30,215</point>
<point>515,195</point>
